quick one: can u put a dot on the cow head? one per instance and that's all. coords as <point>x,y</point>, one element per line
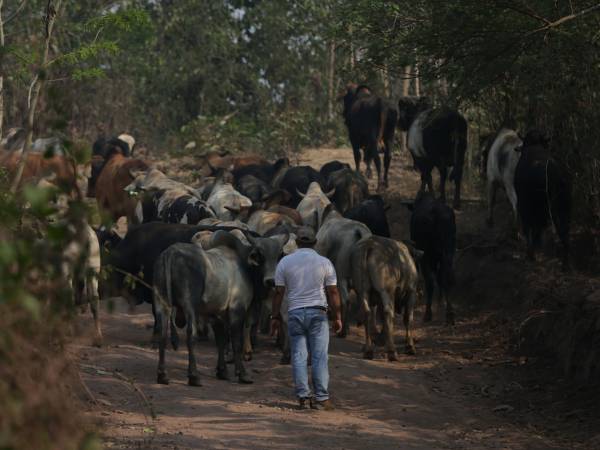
<point>534,138</point>
<point>408,110</point>
<point>265,255</point>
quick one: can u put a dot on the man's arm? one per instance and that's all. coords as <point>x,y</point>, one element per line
<point>276,309</point>
<point>333,300</point>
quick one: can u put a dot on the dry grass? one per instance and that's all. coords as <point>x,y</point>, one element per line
<point>38,386</point>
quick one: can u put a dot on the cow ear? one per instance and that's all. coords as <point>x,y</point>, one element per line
<point>330,193</point>
<point>255,257</point>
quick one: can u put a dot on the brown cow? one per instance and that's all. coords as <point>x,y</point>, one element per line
<point>111,183</point>
<point>215,160</point>
<point>63,170</point>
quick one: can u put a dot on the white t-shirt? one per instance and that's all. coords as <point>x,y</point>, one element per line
<point>305,274</point>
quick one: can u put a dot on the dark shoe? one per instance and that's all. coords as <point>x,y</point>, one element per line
<point>303,403</point>
<point>323,405</point>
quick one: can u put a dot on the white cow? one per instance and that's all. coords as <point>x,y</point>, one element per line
<point>502,161</point>
<point>313,204</point>
<point>227,203</point>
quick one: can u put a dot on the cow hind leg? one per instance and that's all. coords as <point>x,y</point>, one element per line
<point>220,333</point>
<point>387,302</point>
<point>429,288</point>
<point>368,350</point>
<point>286,356</point>
<point>445,298</point>
<point>387,159</point>
<point>457,185</point>
<point>237,333</point>
<point>193,379</point>
<point>94,300</point>
<point>343,286</point>
<point>374,155</point>
<point>443,176</point>
<point>408,319</point>
<point>357,156</point>
<point>247,339</point>
<point>162,318</point>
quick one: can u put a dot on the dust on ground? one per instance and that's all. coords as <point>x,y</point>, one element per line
<point>465,388</point>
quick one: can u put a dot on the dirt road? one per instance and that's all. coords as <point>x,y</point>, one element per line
<point>461,390</point>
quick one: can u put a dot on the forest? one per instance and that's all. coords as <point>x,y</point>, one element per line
<point>187,78</point>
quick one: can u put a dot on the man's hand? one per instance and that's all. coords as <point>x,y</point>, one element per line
<point>333,299</point>
<point>275,327</point>
<point>337,325</point>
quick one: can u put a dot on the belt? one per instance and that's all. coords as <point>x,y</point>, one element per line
<point>322,308</point>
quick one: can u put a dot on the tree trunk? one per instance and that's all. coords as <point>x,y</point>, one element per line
<point>1,69</point>
<point>330,79</point>
<point>386,81</point>
<point>406,81</point>
<point>36,88</point>
<point>417,82</point>
<point>405,93</point>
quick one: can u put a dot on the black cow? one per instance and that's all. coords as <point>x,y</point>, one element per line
<point>296,181</point>
<point>543,194</point>
<point>371,212</point>
<point>371,122</point>
<point>351,188</point>
<point>433,230</point>
<point>252,187</point>
<point>332,166</point>
<point>264,172</point>
<point>436,138</point>
<point>218,283</point>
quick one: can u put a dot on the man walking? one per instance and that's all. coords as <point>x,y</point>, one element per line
<point>310,283</point>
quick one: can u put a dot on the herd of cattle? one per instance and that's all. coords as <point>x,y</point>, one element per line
<point>207,253</point>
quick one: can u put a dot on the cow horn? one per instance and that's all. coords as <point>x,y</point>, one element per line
<point>330,193</point>
<point>300,193</point>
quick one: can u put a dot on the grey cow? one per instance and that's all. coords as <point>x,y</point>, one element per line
<point>384,275</point>
<point>334,241</point>
<point>219,284</point>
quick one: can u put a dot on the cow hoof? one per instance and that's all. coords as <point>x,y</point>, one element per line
<point>428,317</point>
<point>97,342</point>
<point>248,356</point>
<point>410,350</point>
<point>194,380</point>
<point>245,379</point>
<point>162,378</point>
<point>450,320</point>
<point>368,354</point>
<point>393,356</point>
<point>456,206</point>
<point>175,342</point>
<point>285,360</point>
<point>223,374</point>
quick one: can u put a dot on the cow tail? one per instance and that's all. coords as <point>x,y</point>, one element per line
<point>382,126</point>
<point>360,276</point>
<point>162,293</point>
<point>459,139</point>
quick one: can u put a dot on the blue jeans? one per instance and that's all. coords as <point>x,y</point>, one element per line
<point>309,329</point>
